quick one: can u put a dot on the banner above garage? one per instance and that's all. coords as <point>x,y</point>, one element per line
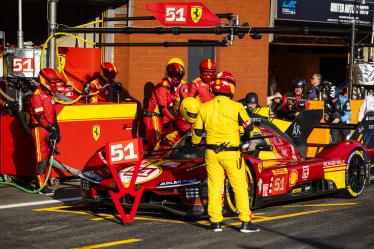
<point>326,11</point>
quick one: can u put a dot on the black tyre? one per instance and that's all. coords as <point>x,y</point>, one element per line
<point>229,198</point>
<point>356,174</point>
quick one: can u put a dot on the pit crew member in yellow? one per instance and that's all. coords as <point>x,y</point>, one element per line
<point>220,117</point>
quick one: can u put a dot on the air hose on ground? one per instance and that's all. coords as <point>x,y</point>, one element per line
<point>51,161</point>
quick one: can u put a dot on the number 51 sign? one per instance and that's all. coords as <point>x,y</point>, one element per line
<point>188,14</point>
<point>124,151</point>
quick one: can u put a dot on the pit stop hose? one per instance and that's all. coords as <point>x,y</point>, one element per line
<point>51,160</point>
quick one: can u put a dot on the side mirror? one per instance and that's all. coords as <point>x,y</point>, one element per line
<point>264,147</point>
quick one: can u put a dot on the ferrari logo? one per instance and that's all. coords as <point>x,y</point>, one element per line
<point>196,13</point>
<point>96,132</point>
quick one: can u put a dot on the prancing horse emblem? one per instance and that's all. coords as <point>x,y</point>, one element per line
<point>196,13</point>
<point>96,132</point>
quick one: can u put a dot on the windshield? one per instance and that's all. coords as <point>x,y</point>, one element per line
<point>183,149</point>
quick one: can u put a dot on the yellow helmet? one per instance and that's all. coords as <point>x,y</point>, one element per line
<point>175,60</point>
<point>175,71</point>
<point>189,109</point>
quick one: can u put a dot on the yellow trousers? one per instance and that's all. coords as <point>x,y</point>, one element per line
<point>216,165</point>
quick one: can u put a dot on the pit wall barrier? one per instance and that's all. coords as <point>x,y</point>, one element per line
<point>84,129</point>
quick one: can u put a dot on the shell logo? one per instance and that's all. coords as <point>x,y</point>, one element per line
<point>293,177</point>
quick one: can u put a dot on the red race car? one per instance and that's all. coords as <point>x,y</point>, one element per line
<point>277,170</point>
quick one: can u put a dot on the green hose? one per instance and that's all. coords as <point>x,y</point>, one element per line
<point>28,190</point>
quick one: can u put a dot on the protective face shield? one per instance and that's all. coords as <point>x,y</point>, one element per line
<point>207,70</point>
<point>189,109</point>
<point>333,92</point>
<point>108,71</point>
<point>49,78</point>
<point>175,73</point>
<point>224,84</point>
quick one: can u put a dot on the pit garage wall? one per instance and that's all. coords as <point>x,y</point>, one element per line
<point>290,66</point>
<point>247,59</point>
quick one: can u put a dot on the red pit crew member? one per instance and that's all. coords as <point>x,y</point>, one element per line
<point>43,120</point>
<point>160,112</point>
<point>220,118</point>
<point>181,126</point>
<point>102,84</point>
<point>200,87</point>
<point>181,90</point>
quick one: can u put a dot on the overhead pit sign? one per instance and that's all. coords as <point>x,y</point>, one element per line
<point>183,14</point>
<point>326,11</point>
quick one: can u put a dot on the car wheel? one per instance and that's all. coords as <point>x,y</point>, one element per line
<point>229,198</point>
<point>355,175</point>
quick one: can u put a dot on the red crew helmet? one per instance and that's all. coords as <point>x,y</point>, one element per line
<point>108,71</point>
<point>207,70</point>
<point>223,83</point>
<point>48,77</point>
<point>175,71</point>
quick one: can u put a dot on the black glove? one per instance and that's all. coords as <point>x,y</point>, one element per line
<point>116,86</point>
<point>86,88</point>
<point>245,137</point>
<point>54,134</point>
<point>12,105</point>
<point>189,146</point>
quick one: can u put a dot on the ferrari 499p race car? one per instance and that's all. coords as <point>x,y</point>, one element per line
<point>276,166</point>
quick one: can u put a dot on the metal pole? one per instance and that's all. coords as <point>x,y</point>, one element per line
<point>20,31</point>
<point>52,25</point>
<point>352,58</point>
<point>219,30</point>
<point>371,59</point>
<point>163,44</point>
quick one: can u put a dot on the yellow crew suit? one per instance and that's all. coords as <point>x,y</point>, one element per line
<point>220,117</point>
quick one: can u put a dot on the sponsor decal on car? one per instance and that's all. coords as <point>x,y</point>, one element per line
<point>259,184</point>
<point>171,164</point>
<point>296,190</point>
<point>305,174</point>
<point>333,162</point>
<point>178,183</point>
<point>265,189</point>
<point>194,166</point>
<point>281,171</point>
<point>259,167</point>
<point>294,176</point>
<point>146,173</point>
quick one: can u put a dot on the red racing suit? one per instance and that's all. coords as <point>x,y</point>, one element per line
<point>293,104</point>
<point>102,87</point>
<point>201,90</point>
<point>42,120</point>
<point>158,116</point>
<point>173,133</point>
<point>180,92</point>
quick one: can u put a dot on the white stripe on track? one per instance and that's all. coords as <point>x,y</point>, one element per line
<point>34,203</point>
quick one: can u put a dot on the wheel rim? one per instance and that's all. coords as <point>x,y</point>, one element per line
<point>356,174</point>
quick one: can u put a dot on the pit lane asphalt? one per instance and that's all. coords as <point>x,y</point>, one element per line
<point>330,222</point>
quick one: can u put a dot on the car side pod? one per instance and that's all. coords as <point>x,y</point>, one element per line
<point>127,151</point>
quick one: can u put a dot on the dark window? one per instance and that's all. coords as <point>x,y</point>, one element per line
<point>195,55</point>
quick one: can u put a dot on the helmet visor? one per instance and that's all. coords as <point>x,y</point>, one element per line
<point>192,115</point>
